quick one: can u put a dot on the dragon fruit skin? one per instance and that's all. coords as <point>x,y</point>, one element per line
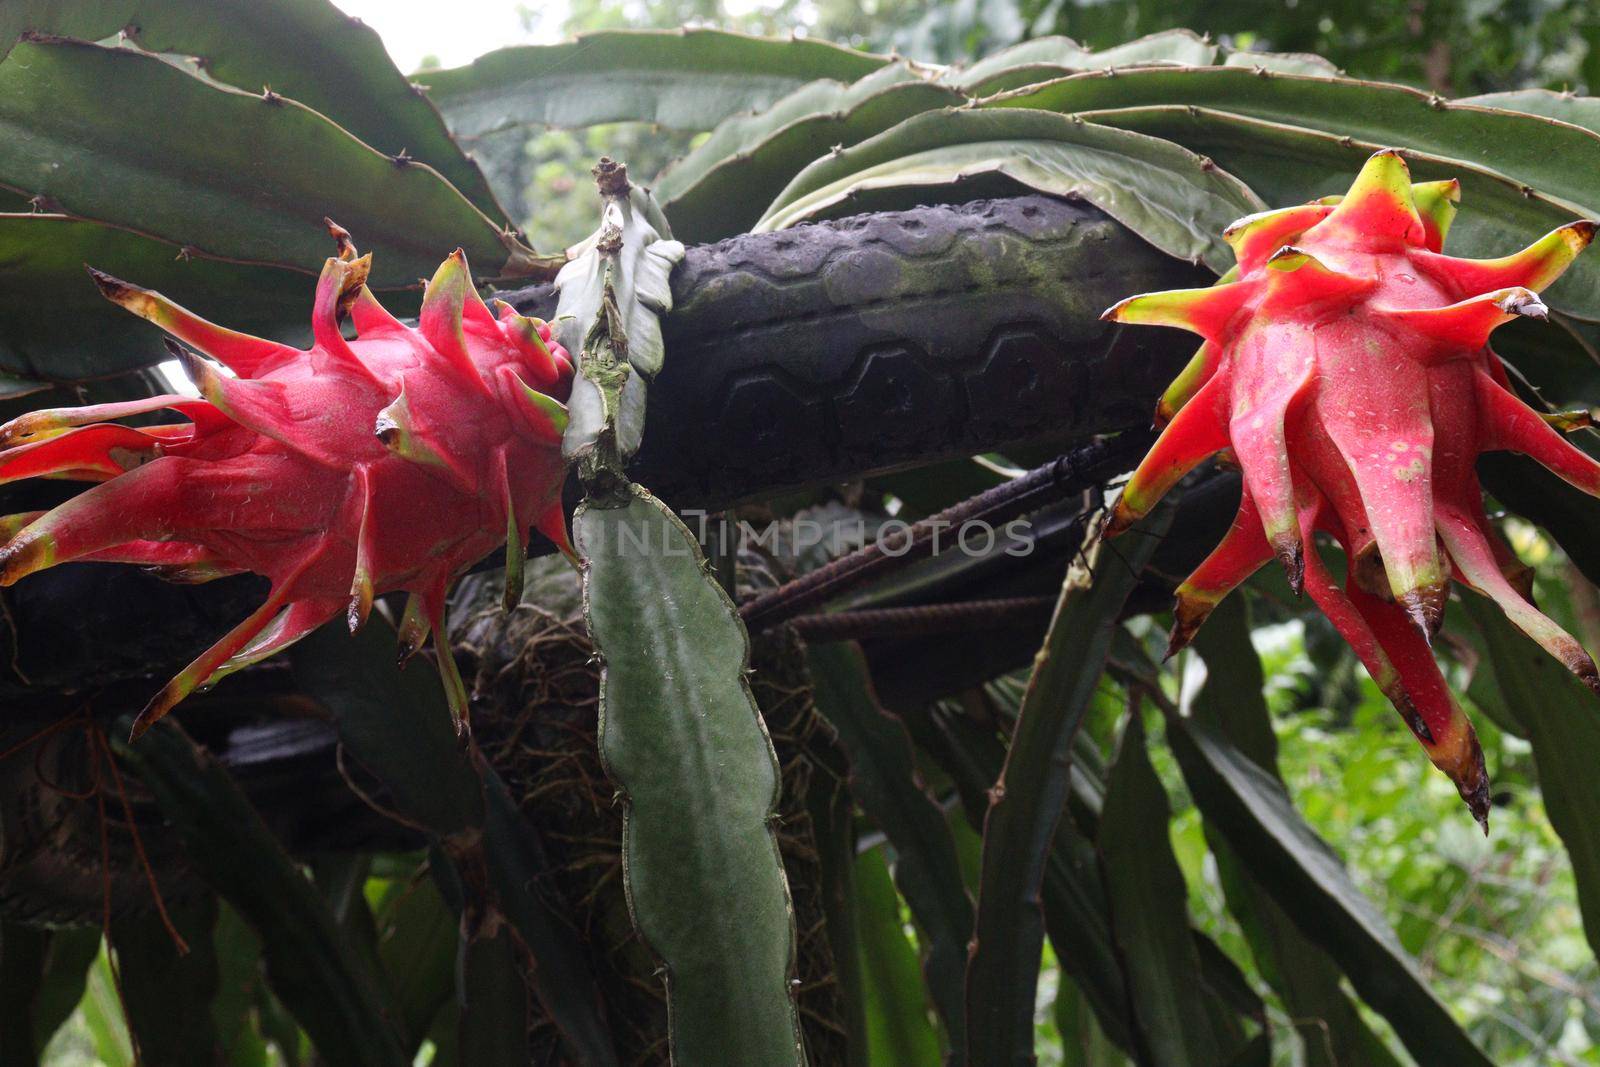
<point>390,462</point>
<point>1346,370</point>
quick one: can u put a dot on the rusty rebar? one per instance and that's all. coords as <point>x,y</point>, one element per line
<point>1074,471</point>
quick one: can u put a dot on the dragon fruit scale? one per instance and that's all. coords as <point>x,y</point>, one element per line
<point>1346,370</point>
<point>393,461</point>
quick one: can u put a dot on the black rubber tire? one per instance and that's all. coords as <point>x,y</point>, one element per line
<point>843,348</point>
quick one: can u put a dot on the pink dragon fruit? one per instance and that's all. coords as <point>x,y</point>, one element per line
<point>393,461</point>
<point>1346,369</point>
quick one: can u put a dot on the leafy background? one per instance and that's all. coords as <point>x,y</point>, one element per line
<point>1453,47</point>
<point>1494,925</point>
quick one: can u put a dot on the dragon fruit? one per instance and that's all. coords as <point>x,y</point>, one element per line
<point>1346,370</point>
<point>393,461</point>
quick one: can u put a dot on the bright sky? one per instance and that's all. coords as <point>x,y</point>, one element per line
<point>457,31</point>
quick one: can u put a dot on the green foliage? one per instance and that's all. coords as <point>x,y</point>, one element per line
<point>167,993</point>
<point>1250,810</point>
<point>1026,806</point>
<point>494,1013</point>
<point>751,161</point>
<point>488,859</point>
<point>43,973</point>
<point>885,783</point>
<point>1150,917</point>
<point>1494,922</point>
<point>306,50</point>
<point>1556,714</point>
<point>1451,46</point>
<point>255,187</point>
<point>1049,57</point>
<point>1308,981</point>
<point>89,337</point>
<point>705,885</point>
<point>1231,889</point>
<point>1171,198</point>
<point>208,180</point>
<point>332,989</point>
<point>897,1023</point>
<point>682,80</point>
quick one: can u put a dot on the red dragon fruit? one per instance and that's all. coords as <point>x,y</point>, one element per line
<point>358,467</point>
<point>1346,370</point>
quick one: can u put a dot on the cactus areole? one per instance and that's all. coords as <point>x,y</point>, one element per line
<point>1346,369</point>
<point>393,461</point>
